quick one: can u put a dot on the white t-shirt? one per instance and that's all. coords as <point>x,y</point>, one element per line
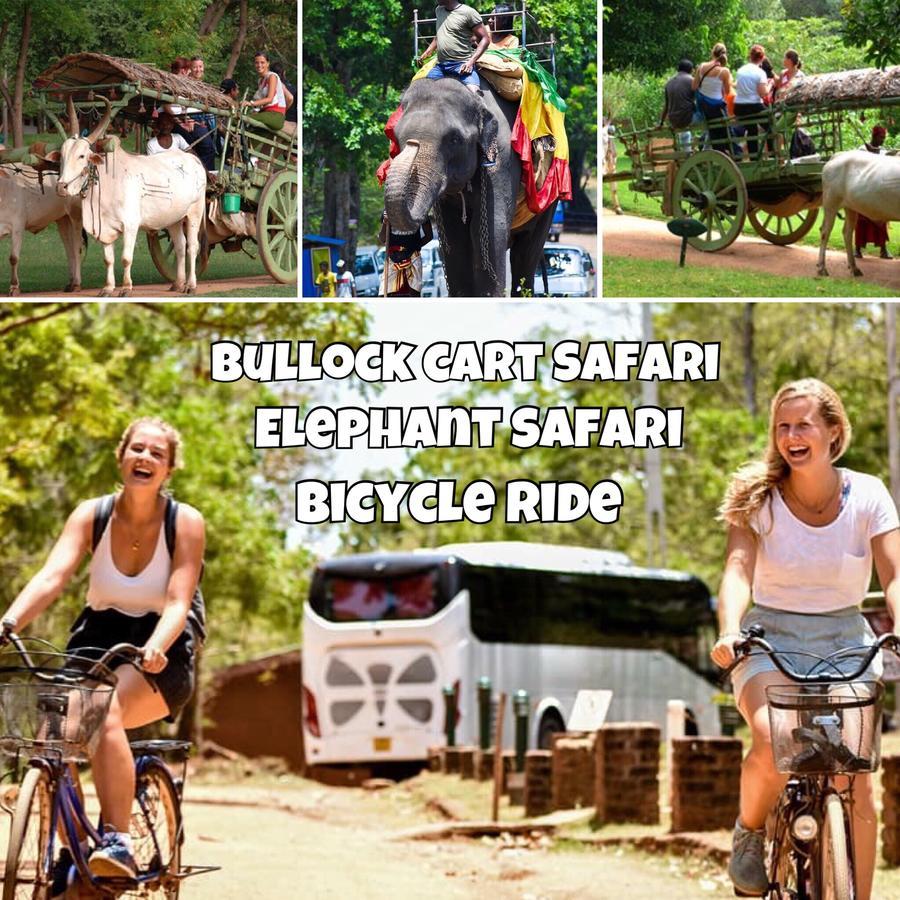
<point>178,143</point>
<point>345,284</point>
<point>816,569</point>
<point>748,77</point>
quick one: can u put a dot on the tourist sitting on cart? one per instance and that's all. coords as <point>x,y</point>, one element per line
<point>270,99</point>
<point>678,107</point>
<point>456,25</point>
<point>206,148</point>
<point>290,94</point>
<point>867,231</point>
<point>792,70</point>
<point>500,24</point>
<point>751,90</point>
<point>165,139</point>
<point>712,82</point>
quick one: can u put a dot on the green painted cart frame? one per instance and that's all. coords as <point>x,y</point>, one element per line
<point>706,179</point>
<point>257,164</point>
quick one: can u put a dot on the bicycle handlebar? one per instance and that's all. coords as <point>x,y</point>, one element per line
<point>126,652</point>
<point>754,637</point>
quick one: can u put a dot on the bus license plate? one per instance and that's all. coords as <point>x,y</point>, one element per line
<point>381,744</point>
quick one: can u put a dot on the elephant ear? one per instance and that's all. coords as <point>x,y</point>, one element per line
<point>487,136</point>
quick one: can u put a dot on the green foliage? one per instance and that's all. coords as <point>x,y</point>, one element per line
<point>633,94</point>
<point>764,9</point>
<point>804,9</point>
<point>818,41</point>
<point>873,25</point>
<point>87,371</point>
<point>655,34</point>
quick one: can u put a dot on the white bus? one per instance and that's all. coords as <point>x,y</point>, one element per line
<point>385,633</point>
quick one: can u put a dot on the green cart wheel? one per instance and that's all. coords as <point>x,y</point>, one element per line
<point>276,226</point>
<point>783,230</point>
<point>709,187</point>
<point>162,252</point>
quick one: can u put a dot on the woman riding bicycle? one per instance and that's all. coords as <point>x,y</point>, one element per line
<point>137,594</point>
<point>801,540</point>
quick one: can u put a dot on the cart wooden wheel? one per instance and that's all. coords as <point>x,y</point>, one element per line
<point>710,187</point>
<point>162,252</point>
<point>276,226</point>
<point>782,230</point>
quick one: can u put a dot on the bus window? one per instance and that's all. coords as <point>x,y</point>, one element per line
<point>372,599</point>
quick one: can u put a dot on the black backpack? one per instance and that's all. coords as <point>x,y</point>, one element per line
<point>103,513</point>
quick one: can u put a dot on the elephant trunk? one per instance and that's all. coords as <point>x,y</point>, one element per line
<point>413,185</point>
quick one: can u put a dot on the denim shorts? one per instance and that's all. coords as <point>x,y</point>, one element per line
<point>451,70</point>
<point>797,634</point>
<point>102,629</point>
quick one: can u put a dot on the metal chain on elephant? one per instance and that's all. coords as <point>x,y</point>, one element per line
<point>442,240</point>
<point>485,237</point>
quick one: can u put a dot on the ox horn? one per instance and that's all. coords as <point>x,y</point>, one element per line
<point>101,125</point>
<point>73,116</point>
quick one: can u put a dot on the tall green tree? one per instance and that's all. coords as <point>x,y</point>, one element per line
<point>654,34</point>
<point>875,26</point>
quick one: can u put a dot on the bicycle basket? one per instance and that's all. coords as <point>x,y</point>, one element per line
<point>54,709</point>
<point>822,728</point>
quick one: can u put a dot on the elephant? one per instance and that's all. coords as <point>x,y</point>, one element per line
<point>446,134</point>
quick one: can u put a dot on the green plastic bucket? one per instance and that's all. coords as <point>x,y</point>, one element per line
<point>231,203</point>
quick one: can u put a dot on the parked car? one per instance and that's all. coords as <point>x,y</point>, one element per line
<point>434,282</point>
<point>367,270</point>
<point>556,226</point>
<point>570,272</point>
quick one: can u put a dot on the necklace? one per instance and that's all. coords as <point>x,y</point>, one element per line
<point>811,508</point>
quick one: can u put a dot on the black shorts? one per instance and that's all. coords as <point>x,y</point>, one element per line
<point>105,628</point>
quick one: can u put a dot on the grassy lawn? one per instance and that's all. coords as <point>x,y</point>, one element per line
<point>43,267</point>
<point>623,277</point>
<point>638,204</point>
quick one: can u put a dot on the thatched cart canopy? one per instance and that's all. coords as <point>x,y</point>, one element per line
<point>83,69</point>
<point>858,88</point>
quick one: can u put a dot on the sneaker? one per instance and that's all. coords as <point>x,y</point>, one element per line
<point>113,859</point>
<point>858,253</point>
<point>885,253</point>
<point>59,874</point>
<point>747,868</point>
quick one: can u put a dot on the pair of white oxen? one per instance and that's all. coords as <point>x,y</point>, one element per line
<point>107,192</point>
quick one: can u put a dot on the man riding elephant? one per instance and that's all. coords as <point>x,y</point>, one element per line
<point>457,24</point>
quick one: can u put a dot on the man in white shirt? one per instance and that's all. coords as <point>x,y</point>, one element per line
<point>751,89</point>
<point>165,139</point>
<point>345,281</point>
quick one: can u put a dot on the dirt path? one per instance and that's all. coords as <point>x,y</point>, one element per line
<point>340,843</point>
<point>260,282</point>
<point>640,238</point>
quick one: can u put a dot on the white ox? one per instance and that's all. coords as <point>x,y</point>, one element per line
<point>27,206</point>
<point>608,162</point>
<point>860,183</point>
<point>124,193</point>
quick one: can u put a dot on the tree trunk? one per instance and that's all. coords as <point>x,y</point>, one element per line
<point>213,16</point>
<point>238,44</point>
<point>749,361</point>
<point>336,216</point>
<point>18,95</point>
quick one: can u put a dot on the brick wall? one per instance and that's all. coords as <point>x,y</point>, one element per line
<point>626,776</point>
<point>573,771</point>
<point>706,783</point>
<point>538,778</point>
<point>890,813</point>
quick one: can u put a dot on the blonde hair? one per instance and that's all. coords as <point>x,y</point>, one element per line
<point>173,439</point>
<point>719,52</point>
<point>751,485</point>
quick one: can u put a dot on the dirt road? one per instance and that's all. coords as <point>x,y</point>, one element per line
<point>261,283</point>
<point>322,842</point>
<point>640,238</point>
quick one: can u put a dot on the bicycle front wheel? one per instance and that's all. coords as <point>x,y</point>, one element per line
<point>27,872</point>
<point>835,863</point>
<point>156,832</point>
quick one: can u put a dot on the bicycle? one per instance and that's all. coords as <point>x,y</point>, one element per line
<point>50,717</point>
<point>824,725</point>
